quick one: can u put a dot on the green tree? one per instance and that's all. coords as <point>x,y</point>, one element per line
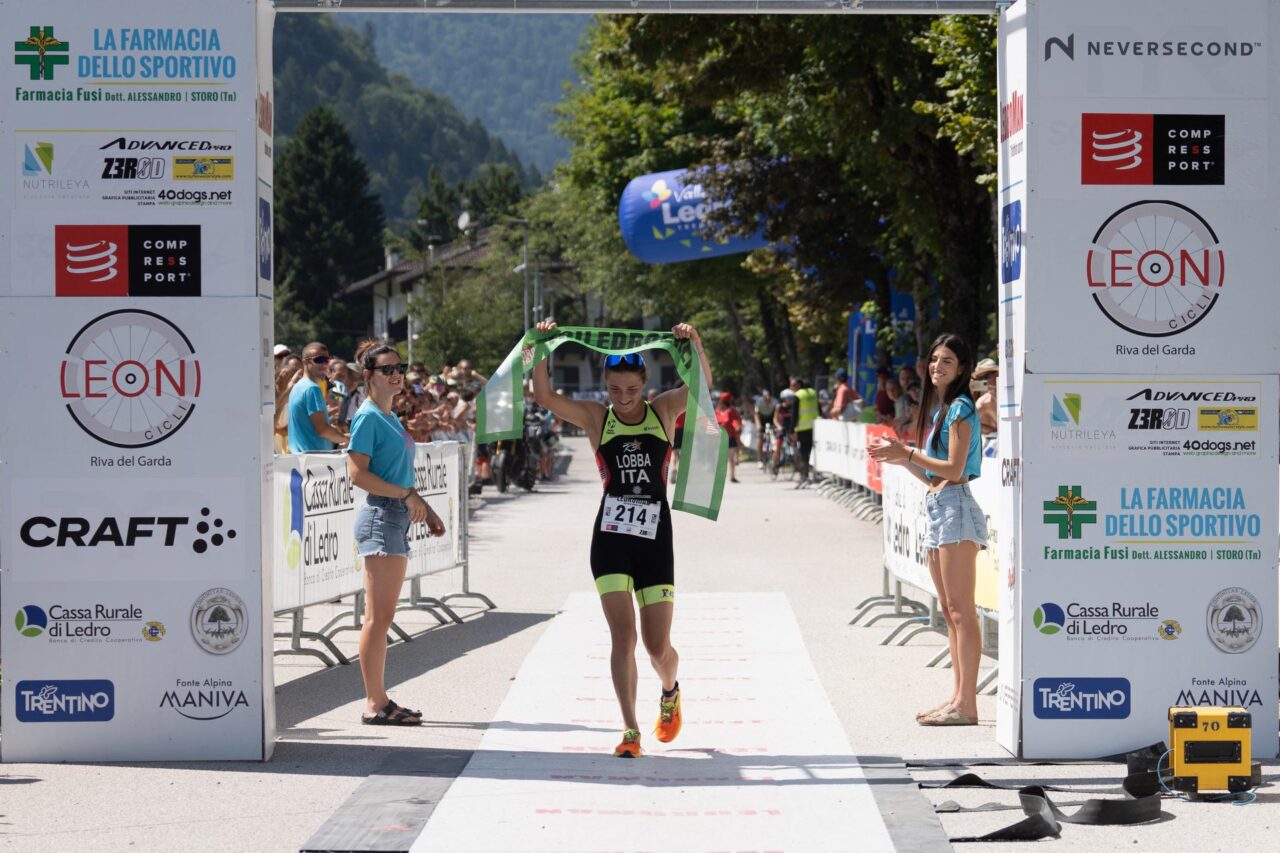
<point>328,232</point>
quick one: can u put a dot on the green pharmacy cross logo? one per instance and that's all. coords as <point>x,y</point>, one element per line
<point>1070,511</point>
<point>42,52</point>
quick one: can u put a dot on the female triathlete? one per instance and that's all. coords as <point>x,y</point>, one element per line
<point>631,551</point>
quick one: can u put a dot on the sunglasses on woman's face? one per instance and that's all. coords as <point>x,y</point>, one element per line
<point>632,358</point>
<point>392,369</point>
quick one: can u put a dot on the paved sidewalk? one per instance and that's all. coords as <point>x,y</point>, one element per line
<point>529,553</point>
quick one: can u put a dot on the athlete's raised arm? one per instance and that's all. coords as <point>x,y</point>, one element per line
<point>586,414</point>
<point>671,403</point>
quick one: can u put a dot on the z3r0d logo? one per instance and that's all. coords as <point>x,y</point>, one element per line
<point>130,378</point>
<point>1155,268</point>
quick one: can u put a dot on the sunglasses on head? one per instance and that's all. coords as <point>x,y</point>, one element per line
<point>632,358</point>
<point>392,369</point>
<point>319,359</point>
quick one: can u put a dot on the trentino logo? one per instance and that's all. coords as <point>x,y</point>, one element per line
<point>1070,511</point>
<point>31,621</point>
<point>657,194</point>
<point>1065,411</point>
<point>37,162</point>
<point>1049,618</point>
<point>41,52</point>
<point>89,700</point>
<point>1081,698</point>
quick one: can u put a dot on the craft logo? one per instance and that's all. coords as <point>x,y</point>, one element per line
<point>204,700</point>
<point>219,620</point>
<point>126,532</point>
<point>1070,512</point>
<point>1103,621</point>
<point>37,162</point>
<point>1148,48</point>
<point>42,52</point>
<point>1234,620</point>
<point>1155,268</point>
<point>127,260</point>
<point>71,701</point>
<point>1223,419</point>
<point>1065,411</point>
<point>1011,242</point>
<point>1081,698</point>
<point>91,623</point>
<point>1218,692</point>
<point>203,168</point>
<point>265,239</point>
<point>130,378</point>
<point>1145,149</point>
<point>1013,115</point>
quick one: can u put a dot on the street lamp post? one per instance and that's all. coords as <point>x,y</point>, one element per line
<point>524,266</point>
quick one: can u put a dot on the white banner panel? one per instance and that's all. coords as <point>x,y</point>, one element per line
<point>1014,210</point>
<point>840,448</point>
<point>1149,566</point>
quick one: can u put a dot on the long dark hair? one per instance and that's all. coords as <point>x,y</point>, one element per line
<point>929,397</point>
<point>369,358</point>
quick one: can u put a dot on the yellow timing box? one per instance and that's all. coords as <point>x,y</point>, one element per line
<point>1209,749</point>
<point>204,168</point>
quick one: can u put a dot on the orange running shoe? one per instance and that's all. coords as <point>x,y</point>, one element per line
<point>669,719</point>
<point>630,746</point>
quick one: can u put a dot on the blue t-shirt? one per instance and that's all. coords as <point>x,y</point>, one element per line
<point>961,409</point>
<point>305,399</point>
<point>389,448</point>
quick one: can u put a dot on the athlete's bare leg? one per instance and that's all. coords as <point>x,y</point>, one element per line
<point>620,613</point>
<point>655,627</point>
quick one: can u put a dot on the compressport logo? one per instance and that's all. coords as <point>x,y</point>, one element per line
<point>130,378</point>
<point>1081,698</point>
<point>126,532</point>
<point>1155,268</point>
<point>69,701</point>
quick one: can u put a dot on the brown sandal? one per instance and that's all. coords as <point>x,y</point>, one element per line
<point>920,715</point>
<point>951,716</point>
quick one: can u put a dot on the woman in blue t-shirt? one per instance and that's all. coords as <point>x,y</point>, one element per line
<point>949,458</point>
<point>380,461</point>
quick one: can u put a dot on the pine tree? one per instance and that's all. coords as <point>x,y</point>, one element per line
<point>328,226</point>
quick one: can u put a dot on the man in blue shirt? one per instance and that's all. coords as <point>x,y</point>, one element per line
<point>309,427</point>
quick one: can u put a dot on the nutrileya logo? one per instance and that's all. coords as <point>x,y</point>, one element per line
<point>42,52</point>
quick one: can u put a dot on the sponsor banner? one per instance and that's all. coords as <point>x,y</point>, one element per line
<point>148,253</point>
<point>1016,106</point>
<point>1176,49</point>
<point>315,503</point>
<point>165,59</point>
<point>187,170</point>
<point>132,388</point>
<point>1154,285</point>
<point>840,448</point>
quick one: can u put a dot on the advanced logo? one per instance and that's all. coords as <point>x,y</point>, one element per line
<point>31,621</point>
<point>37,162</point>
<point>42,53</point>
<point>1070,511</point>
<point>265,239</point>
<point>127,532</point>
<point>89,623</point>
<point>1227,419</point>
<point>210,699</point>
<point>1145,149</point>
<point>1065,411</point>
<point>130,378</point>
<point>1155,268</point>
<point>1081,698</point>
<point>1011,242</point>
<point>90,700</point>
<point>127,260</point>
<point>1103,620</point>
<point>1234,620</point>
<point>219,620</point>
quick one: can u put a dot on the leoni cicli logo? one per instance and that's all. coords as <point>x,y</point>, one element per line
<point>1145,149</point>
<point>130,378</point>
<point>1155,268</point>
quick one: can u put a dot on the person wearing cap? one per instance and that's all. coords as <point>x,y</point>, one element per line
<point>730,421</point>
<point>985,375</point>
<point>847,405</point>
<point>279,354</point>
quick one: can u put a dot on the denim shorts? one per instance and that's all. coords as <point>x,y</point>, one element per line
<point>382,528</point>
<point>954,516</point>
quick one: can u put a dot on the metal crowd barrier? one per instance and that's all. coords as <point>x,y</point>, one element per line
<point>314,558</point>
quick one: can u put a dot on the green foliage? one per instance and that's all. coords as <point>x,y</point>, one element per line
<point>400,130</point>
<point>328,229</point>
<point>964,46</point>
<point>507,71</point>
